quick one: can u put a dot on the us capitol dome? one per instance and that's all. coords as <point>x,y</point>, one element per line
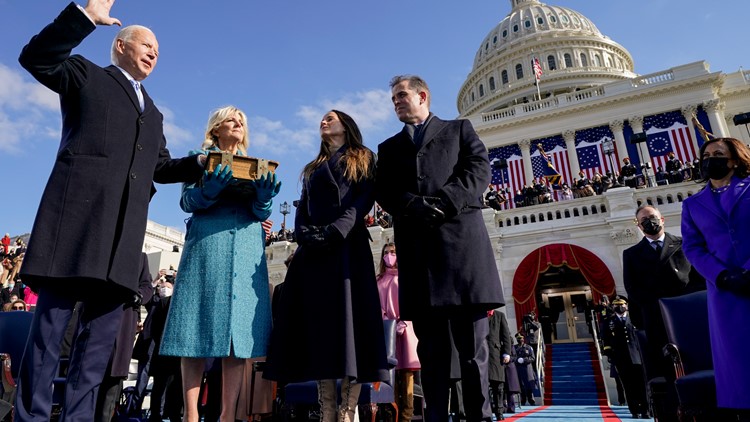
<point>573,54</point>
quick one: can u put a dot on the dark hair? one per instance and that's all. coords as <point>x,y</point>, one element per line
<point>739,152</point>
<point>357,159</point>
<point>381,266</point>
<point>416,83</point>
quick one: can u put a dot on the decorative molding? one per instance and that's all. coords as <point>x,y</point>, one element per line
<point>623,237</point>
<point>569,135</point>
<point>688,111</point>
<point>714,105</point>
<point>525,144</point>
<point>616,125</point>
<point>638,120</point>
<point>276,277</point>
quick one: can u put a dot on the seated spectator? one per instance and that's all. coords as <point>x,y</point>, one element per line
<point>566,193</point>
<point>596,183</point>
<point>18,305</point>
<point>12,290</point>
<point>493,199</point>
<point>661,175</point>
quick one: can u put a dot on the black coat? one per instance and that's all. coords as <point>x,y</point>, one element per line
<point>500,343</point>
<point>328,319</point>
<point>620,343</point>
<point>123,349</point>
<point>648,278</point>
<point>92,218</point>
<point>453,265</point>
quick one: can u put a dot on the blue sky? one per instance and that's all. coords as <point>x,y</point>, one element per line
<point>286,63</point>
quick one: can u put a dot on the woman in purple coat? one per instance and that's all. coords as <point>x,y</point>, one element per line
<point>716,240</point>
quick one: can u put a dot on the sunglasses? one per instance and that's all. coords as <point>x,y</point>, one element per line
<point>19,308</point>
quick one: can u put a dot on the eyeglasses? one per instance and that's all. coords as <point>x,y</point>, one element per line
<point>19,308</point>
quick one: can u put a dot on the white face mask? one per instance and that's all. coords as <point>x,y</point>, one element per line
<point>165,291</point>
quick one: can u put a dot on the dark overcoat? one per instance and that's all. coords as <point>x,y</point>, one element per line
<point>329,323</point>
<point>716,237</point>
<point>92,217</point>
<point>500,343</point>
<point>123,349</point>
<point>648,278</point>
<point>454,264</point>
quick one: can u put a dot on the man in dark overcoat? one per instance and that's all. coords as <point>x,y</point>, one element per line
<point>88,233</point>
<point>500,345</point>
<point>655,268</point>
<point>430,178</point>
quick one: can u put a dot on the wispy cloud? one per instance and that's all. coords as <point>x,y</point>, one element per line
<point>176,135</point>
<point>370,109</point>
<point>28,110</point>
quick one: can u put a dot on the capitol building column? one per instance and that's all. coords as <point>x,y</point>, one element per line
<point>525,145</point>
<point>570,144</point>
<point>715,111</point>
<point>688,112</point>
<point>622,149</point>
<point>636,122</point>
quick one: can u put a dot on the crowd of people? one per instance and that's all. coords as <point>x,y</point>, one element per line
<point>541,191</point>
<point>215,314</point>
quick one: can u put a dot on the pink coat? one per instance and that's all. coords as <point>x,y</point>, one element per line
<point>29,297</point>
<point>406,342</point>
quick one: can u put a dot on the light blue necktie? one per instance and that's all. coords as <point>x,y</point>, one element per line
<point>138,93</point>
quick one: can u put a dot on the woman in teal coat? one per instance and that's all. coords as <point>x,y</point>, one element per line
<point>221,305</point>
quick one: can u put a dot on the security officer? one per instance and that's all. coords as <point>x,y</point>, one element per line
<point>627,173</point>
<point>525,368</point>
<point>622,351</point>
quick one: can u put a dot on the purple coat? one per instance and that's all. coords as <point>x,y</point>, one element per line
<point>715,237</point>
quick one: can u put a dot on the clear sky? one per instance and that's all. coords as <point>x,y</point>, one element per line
<point>287,62</point>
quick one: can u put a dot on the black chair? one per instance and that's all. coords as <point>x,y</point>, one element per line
<point>689,347</point>
<point>660,392</point>
<point>372,397</point>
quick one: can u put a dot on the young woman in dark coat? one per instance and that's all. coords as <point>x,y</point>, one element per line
<point>329,325</point>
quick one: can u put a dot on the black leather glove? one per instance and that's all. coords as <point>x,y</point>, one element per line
<point>735,280</point>
<point>425,210</point>
<point>137,300</point>
<point>319,236</point>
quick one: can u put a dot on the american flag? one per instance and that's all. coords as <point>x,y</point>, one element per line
<point>668,132</point>
<point>267,226</point>
<point>512,177</point>
<point>537,68</point>
<point>591,156</point>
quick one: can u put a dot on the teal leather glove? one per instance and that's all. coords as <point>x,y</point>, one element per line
<point>215,182</point>
<point>266,187</point>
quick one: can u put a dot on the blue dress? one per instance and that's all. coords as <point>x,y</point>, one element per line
<point>221,304</point>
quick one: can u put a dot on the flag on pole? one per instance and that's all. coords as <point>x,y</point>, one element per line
<point>548,171</point>
<point>537,69</point>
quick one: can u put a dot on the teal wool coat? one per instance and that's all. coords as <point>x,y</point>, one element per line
<point>221,299</point>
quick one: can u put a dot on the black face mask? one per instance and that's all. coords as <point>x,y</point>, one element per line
<point>651,226</point>
<point>715,167</point>
<point>621,309</point>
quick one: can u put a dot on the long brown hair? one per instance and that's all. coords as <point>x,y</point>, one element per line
<point>357,159</point>
<point>381,266</point>
<point>739,152</point>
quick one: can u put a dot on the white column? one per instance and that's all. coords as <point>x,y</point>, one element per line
<point>570,144</point>
<point>525,145</point>
<point>622,148</point>
<point>715,111</point>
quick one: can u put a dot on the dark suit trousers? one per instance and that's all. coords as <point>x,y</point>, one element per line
<point>95,338</point>
<point>438,333</point>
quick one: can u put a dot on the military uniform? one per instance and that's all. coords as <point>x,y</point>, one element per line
<point>621,348</point>
<point>627,175</point>
<point>524,366</point>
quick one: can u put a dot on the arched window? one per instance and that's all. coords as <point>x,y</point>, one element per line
<point>492,83</point>
<point>568,60</point>
<point>505,33</point>
<point>472,97</point>
<point>551,63</point>
<point>515,28</point>
<point>504,76</point>
<point>540,20</point>
<point>527,24</point>
<point>481,90</point>
<point>584,60</point>
<point>597,61</point>
<point>519,71</point>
